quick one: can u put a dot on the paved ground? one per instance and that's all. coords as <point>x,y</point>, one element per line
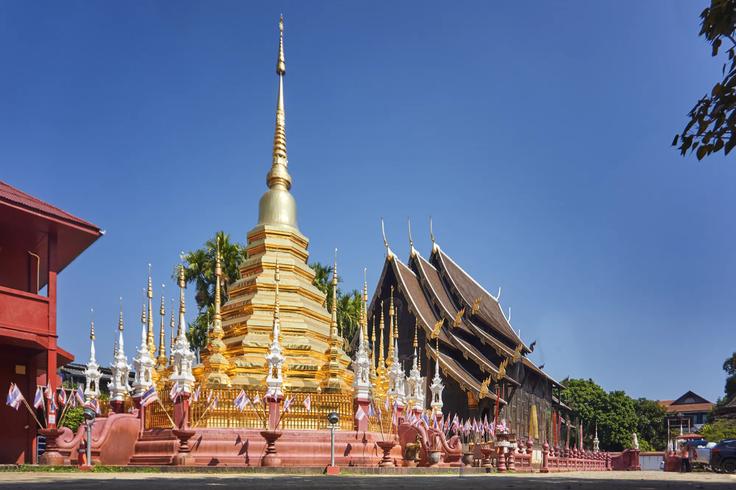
<point>644,480</point>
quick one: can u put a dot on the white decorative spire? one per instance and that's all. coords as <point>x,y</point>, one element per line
<point>396,387</point>
<point>92,374</point>
<point>143,362</point>
<point>362,363</point>
<point>415,382</point>
<point>437,387</point>
<point>275,358</point>
<point>119,385</point>
<point>183,356</point>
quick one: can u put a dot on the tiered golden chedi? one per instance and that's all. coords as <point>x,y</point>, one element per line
<point>315,360</point>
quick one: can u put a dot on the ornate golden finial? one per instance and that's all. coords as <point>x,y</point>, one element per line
<point>381,345</point>
<point>161,361</point>
<point>281,63</point>
<point>415,344</point>
<point>92,325</point>
<point>333,321</point>
<point>149,334</point>
<point>218,279</point>
<point>391,318</point>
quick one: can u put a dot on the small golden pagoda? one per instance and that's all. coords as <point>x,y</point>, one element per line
<point>315,360</point>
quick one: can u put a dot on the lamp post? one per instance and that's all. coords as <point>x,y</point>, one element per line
<point>333,418</point>
<point>89,418</point>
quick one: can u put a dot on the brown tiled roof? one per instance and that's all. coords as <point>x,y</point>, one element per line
<point>455,370</point>
<point>470,290</point>
<point>14,196</point>
<point>689,408</point>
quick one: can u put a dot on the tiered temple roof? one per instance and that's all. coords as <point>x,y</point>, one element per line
<point>475,335</point>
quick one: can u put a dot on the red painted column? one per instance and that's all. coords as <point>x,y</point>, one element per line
<point>51,349</point>
<point>274,410</point>
<point>181,411</point>
<point>361,424</point>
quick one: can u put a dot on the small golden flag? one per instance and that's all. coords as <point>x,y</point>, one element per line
<point>458,318</point>
<point>475,306</point>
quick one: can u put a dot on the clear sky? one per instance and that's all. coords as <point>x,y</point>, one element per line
<point>536,134</point>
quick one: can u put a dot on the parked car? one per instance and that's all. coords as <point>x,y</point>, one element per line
<point>723,456</point>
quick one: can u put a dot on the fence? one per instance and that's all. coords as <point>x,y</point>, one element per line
<point>224,414</point>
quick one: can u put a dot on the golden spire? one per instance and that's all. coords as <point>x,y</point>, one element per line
<point>381,343</point>
<point>374,354</point>
<point>277,205</point>
<point>373,342</point>
<point>333,321</point>
<point>149,294</point>
<point>415,344</point>
<point>218,278</point>
<point>391,316</point>
<point>364,305</point>
<point>161,361</point>
<point>172,324</point>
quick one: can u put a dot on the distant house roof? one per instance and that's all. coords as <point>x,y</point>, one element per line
<point>690,402</point>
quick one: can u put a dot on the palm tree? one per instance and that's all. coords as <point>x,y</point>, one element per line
<point>199,269</point>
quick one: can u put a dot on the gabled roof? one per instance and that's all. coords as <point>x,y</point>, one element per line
<point>470,290</point>
<point>15,196</point>
<point>689,398</point>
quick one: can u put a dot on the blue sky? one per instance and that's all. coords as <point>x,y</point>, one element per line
<point>537,136</point>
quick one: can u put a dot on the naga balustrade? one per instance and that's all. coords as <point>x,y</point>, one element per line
<point>556,459</point>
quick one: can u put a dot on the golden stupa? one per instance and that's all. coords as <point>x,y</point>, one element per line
<point>315,360</point>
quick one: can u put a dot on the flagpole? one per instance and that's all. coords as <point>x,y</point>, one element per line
<point>173,425</point>
<point>63,410</point>
<point>23,399</point>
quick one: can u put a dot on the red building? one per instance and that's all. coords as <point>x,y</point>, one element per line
<point>37,241</point>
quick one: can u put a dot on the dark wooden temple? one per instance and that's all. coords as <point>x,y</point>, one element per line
<point>429,290</point>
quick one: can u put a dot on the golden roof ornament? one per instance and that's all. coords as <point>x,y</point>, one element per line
<point>431,236</point>
<point>381,342</point>
<point>412,251</point>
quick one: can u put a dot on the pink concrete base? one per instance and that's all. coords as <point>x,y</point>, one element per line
<point>332,470</point>
<point>247,447</point>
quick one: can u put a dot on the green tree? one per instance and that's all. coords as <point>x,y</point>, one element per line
<point>651,425</point>
<point>199,269</point>
<point>614,414</point>
<point>348,304</point>
<point>712,121</point>
<point>719,429</point>
<point>729,365</point>
<point>73,418</point>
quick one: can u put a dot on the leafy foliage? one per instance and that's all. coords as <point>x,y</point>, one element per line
<point>615,415</point>
<point>719,429</point>
<point>348,304</point>
<point>729,365</point>
<point>73,418</point>
<point>712,124</point>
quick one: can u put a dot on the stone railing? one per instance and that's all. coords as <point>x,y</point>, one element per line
<point>572,459</point>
